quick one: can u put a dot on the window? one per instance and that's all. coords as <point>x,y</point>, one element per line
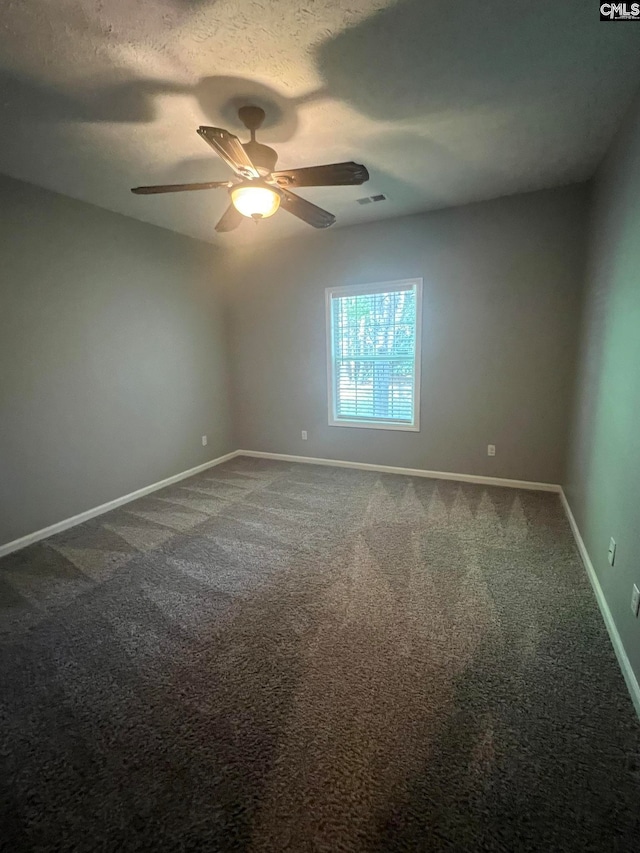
<point>373,355</point>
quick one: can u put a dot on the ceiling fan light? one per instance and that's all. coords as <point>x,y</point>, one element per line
<point>255,200</point>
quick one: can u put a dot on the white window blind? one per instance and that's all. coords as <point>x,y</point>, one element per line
<point>373,346</point>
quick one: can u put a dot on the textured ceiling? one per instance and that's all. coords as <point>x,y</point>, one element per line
<point>445,103</point>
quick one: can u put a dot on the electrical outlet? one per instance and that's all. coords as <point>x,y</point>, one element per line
<point>611,555</point>
<point>635,601</point>
<point>204,440</point>
<point>491,450</point>
<point>304,435</point>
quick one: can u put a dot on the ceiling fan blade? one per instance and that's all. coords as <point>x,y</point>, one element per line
<point>178,188</point>
<point>229,220</point>
<point>230,149</point>
<point>331,175</point>
<point>303,209</point>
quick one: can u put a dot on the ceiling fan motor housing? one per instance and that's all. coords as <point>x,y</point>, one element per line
<point>262,157</point>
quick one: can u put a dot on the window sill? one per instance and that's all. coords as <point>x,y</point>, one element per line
<point>376,425</point>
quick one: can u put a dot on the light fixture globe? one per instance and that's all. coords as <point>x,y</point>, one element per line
<point>255,199</point>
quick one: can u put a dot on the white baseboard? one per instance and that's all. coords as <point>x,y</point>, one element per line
<point>66,523</point>
<point>411,472</point>
<point>616,640</point>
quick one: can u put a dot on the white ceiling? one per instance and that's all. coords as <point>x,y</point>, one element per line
<point>445,103</point>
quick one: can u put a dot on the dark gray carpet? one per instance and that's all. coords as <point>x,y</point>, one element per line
<point>279,657</point>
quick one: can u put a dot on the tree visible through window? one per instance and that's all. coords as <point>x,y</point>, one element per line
<point>373,345</point>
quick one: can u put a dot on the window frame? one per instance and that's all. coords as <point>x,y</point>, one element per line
<point>370,289</point>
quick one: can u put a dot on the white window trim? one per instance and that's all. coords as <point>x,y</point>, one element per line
<point>376,287</point>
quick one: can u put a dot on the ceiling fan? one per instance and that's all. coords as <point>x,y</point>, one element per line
<point>261,190</point>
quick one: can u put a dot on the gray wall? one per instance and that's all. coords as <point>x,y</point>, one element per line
<point>603,483</point>
<point>114,354</point>
<point>112,357</point>
<point>502,295</point>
